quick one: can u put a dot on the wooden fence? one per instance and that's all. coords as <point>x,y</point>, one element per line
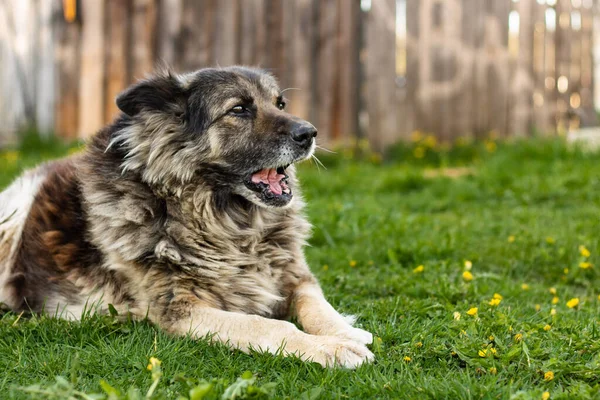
<point>379,69</point>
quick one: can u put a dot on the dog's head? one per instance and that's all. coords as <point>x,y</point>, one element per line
<point>227,126</point>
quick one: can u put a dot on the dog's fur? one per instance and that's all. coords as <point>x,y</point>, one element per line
<point>162,217</point>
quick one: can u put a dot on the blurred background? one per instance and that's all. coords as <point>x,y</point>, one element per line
<point>380,70</point>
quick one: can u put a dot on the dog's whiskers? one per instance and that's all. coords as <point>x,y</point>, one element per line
<point>286,89</point>
<point>318,162</point>
<point>325,149</point>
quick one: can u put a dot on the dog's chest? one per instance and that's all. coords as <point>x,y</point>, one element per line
<point>240,266</point>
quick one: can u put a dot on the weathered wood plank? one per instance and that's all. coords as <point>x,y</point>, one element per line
<point>143,38</point>
<point>117,53</point>
<point>91,75</point>
<point>381,74</point>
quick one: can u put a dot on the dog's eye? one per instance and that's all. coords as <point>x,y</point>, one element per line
<point>239,109</point>
<point>281,105</point>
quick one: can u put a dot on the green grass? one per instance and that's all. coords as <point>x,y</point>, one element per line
<point>519,215</point>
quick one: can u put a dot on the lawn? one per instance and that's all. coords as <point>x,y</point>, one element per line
<point>475,267</point>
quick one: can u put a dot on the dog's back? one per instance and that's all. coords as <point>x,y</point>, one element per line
<point>15,204</point>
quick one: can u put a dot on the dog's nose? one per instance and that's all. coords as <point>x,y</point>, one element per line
<point>303,134</point>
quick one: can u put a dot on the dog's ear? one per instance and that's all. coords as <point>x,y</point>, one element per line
<point>162,93</point>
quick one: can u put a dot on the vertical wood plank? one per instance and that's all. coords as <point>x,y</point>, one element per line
<point>540,121</point>
<point>408,101</point>
<point>117,52</point>
<point>381,74</point>
<point>91,89</point>
<point>562,62</point>
<point>226,33</point>
<point>348,67</point>
<point>143,45</point>
<point>169,32</point>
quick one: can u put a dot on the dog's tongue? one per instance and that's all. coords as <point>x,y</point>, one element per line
<point>271,178</point>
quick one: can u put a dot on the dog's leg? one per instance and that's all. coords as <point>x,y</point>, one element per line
<point>252,332</point>
<point>318,317</point>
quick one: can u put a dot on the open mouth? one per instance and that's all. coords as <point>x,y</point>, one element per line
<point>271,185</point>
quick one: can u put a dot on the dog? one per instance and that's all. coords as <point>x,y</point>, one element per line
<point>186,210</point>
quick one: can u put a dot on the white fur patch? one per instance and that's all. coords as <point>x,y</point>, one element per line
<point>15,203</point>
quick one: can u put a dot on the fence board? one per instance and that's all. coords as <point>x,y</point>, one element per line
<point>381,73</point>
<point>117,53</point>
<point>91,75</point>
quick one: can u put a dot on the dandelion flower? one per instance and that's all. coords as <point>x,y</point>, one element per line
<point>418,345</point>
<point>494,302</point>
<point>472,311</point>
<point>518,337</point>
<point>553,311</point>
<point>583,251</point>
<point>547,328</point>
<point>407,359</point>
<point>574,302</point>
<point>545,395</point>
<point>419,152</point>
<point>482,353</point>
<point>491,338</point>
<point>555,300</point>
<point>585,265</point>
<point>538,307</point>
<point>525,286</point>
<point>548,376</point>
<point>493,371</point>
<point>325,267</point>
<point>511,239</point>
<point>497,296</point>
<point>493,350</point>
<point>419,269</point>
<point>550,240</point>
<point>467,276</point>
<point>353,263</point>
<point>456,315</point>
<point>552,291</point>
<point>154,362</point>
<point>566,271</point>
<point>599,297</point>
<point>468,265</point>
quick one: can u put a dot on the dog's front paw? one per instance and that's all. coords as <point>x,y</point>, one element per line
<point>356,334</point>
<point>331,351</point>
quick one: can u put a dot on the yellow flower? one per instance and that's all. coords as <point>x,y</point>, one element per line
<point>552,290</point>
<point>550,240</point>
<point>555,300</point>
<point>493,350</point>
<point>545,395</point>
<point>583,251</point>
<point>154,362</point>
<point>493,371</point>
<point>518,337</point>
<point>430,141</point>
<point>491,338</point>
<point>419,269</point>
<point>538,307</point>
<point>585,265</point>
<point>566,271</point>
<point>11,156</point>
<point>548,376</point>
<point>325,267</point>
<point>467,276</point>
<point>574,302</point>
<point>407,359</point>
<point>547,328</point>
<point>490,146</point>
<point>553,311</point>
<point>599,297</point>
<point>525,286</point>
<point>419,152</point>
<point>468,265</point>
<point>511,239</point>
<point>353,263</point>
<point>482,353</point>
<point>472,311</point>
<point>418,345</point>
<point>415,136</point>
<point>494,302</point>
<point>456,315</point>
<point>497,296</point>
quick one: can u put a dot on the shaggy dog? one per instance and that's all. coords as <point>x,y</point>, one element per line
<point>187,211</point>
